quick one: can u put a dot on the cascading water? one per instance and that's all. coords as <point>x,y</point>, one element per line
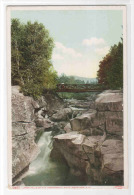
<point>45,172</point>
<point>45,146</point>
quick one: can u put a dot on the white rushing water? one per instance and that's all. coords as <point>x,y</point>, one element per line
<point>45,172</point>
<point>42,161</point>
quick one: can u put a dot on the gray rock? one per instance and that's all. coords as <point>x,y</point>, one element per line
<point>22,128</point>
<point>114,123</point>
<point>68,146</point>
<point>112,158</point>
<point>79,103</point>
<point>45,123</point>
<point>67,128</point>
<point>22,106</point>
<point>83,122</point>
<point>42,102</point>
<point>98,160</point>
<point>86,149</point>
<point>108,116</point>
<point>76,149</point>
<point>24,148</point>
<point>62,115</point>
<point>39,114</point>
<point>109,101</point>
<point>54,103</point>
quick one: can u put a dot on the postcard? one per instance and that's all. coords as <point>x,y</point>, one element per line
<point>67,97</point>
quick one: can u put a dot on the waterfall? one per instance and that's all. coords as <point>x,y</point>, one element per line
<point>43,171</point>
<point>42,161</point>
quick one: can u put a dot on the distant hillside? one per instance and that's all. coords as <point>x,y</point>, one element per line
<point>90,80</point>
<point>76,79</point>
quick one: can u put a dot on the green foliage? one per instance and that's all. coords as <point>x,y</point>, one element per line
<point>51,79</point>
<point>110,71</point>
<point>72,80</point>
<point>16,54</point>
<point>69,80</point>
<point>31,51</point>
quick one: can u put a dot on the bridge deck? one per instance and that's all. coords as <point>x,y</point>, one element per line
<point>80,88</point>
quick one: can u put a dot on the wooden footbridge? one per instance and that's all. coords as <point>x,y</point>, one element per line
<point>80,88</point>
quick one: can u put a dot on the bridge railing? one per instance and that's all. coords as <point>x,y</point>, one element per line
<point>79,86</point>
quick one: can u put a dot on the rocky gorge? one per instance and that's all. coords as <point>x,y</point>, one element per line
<point>87,135</point>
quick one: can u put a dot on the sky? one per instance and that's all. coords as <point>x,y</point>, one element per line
<point>82,37</point>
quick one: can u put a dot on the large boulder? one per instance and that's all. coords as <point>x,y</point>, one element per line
<point>100,161</point>
<point>77,150</point>
<point>62,115</point>
<point>88,123</point>
<point>111,100</point>
<point>68,147</point>
<point>83,122</point>
<point>54,102</point>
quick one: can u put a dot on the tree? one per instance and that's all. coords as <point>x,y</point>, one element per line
<point>69,80</point>
<point>31,57</point>
<point>16,57</point>
<point>51,79</point>
<point>110,71</point>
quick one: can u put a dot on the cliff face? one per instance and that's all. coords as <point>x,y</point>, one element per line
<point>93,148</point>
<point>24,148</point>
<point>28,118</point>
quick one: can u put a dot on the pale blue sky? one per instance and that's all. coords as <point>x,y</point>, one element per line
<point>82,37</point>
